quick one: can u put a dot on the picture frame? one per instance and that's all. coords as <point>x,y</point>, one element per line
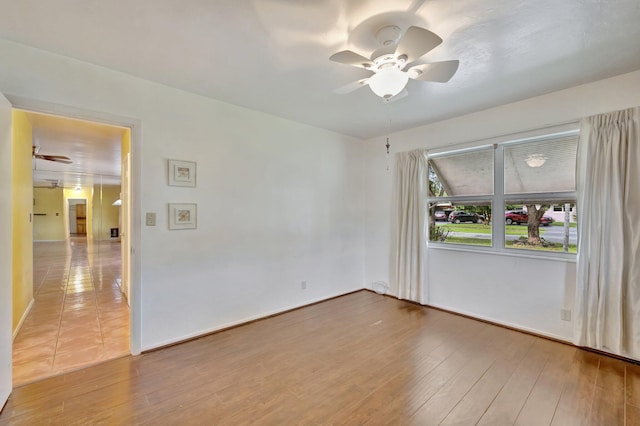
<point>182,173</point>
<point>183,216</point>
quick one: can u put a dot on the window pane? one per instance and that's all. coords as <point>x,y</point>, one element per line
<point>542,166</point>
<point>461,224</point>
<point>468,173</point>
<point>553,231</point>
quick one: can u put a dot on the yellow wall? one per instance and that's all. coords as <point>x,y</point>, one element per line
<point>81,193</point>
<point>126,143</point>
<point>125,214</point>
<point>50,202</point>
<point>22,203</point>
<point>105,215</point>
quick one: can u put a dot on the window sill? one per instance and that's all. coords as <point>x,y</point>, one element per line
<point>522,253</point>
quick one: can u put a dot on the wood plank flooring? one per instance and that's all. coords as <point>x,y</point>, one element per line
<point>358,359</point>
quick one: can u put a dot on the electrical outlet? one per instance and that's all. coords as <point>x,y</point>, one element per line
<point>151,219</point>
<point>565,314</point>
<point>303,285</point>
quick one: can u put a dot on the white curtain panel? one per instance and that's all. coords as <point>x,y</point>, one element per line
<point>410,227</point>
<point>607,306</point>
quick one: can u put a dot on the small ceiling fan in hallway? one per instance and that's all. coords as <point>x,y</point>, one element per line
<point>55,158</point>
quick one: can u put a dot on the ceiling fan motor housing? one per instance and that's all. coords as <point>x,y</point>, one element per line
<point>388,35</point>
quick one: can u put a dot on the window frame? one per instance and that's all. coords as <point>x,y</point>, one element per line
<point>499,199</point>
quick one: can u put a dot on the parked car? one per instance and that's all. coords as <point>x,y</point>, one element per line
<point>546,220</point>
<point>460,216</point>
<point>521,217</point>
<point>440,215</point>
<point>516,216</point>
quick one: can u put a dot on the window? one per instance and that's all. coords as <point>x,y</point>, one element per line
<point>461,186</point>
<point>550,230</point>
<point>462,174</point>
<point>531,182</point>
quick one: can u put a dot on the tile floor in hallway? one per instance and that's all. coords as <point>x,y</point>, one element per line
<point>79,316</point>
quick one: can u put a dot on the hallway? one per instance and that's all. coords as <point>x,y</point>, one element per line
<point>79,316</point>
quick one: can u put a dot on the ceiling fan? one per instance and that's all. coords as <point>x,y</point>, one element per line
<point>390,72</point>
<point>56,158</point>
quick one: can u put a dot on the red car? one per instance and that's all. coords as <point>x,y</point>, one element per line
<point>546,220</point>
<point>521,217</point>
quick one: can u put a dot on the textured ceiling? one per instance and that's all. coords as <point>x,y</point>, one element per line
<point>272,55</point>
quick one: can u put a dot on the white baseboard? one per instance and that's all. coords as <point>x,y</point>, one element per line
<point>204,332</point>
<point>491,320</point>
<point>507,324</point>
<point>24,317</point>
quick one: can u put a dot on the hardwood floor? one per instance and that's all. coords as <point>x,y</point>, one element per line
<point>79,316</point>
<point>358,359</point>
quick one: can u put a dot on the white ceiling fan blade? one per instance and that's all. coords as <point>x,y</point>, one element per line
<point>348,88</point>
<point>416,42</point>
<point>397,97</point>
<point>440,72</point>
<point>351,58</point>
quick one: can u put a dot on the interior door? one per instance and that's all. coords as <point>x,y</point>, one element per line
<point>81,219</point>
<point>125,237</point>
<point>6,335</point>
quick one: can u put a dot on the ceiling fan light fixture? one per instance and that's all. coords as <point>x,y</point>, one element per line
<point>388,82</point>
<point>392,69</point>
<point>535,160</point>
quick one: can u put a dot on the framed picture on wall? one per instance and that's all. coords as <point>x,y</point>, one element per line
<point>182,216</point>
<point>182,173</point>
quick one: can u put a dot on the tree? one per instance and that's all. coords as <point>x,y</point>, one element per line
<point>534,214</point>
<point>436,190</point>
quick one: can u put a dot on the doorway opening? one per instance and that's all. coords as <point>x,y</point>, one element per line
<point>77,217</point>
<point>79,314</point>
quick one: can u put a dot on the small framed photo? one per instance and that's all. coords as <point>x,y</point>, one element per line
<point>182,216</point>
<point>182,173</point>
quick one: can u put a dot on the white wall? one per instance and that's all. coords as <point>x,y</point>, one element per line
<point>519,291</point>
<point>278,202</point>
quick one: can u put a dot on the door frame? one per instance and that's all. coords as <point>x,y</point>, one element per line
<point>135,302</point>
<point>67,216</point>
<point>6,252</point>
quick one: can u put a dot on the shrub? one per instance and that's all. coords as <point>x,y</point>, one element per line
<point>437,233</point>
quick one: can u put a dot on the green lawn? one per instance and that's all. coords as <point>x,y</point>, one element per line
<point>571,224</point>
<point>472,241</point>
<point>487,242</point>
<point>478,228</point>
<point>554,247</point>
